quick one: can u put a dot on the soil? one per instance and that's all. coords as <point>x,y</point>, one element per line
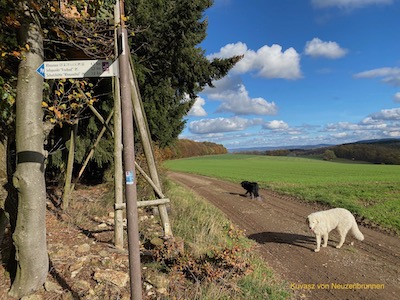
<point>359,270</point>
<point>84,264</point>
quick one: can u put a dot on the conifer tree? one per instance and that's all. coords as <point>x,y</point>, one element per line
<point>171,66</point>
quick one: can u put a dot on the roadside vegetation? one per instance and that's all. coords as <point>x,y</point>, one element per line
<point>370,191</point>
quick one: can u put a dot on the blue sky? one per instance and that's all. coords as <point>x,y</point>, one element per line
<point>313,72</point>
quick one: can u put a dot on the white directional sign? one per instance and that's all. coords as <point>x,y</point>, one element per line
<point>78,69</point>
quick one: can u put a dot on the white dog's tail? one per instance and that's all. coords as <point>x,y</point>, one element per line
<point>356,232</point>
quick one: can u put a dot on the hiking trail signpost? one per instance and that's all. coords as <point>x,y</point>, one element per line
<point>78,69</point>
<point>130,108</point>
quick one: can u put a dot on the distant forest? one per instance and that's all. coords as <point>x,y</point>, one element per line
<point>187,148</point>
<point>377,152</point>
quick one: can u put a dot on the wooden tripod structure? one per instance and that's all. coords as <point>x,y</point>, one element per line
<point>144,132</point>
<point>142,126</point>
<point>128,108</point>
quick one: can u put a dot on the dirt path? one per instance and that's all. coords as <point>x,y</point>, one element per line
<point>277,224</point>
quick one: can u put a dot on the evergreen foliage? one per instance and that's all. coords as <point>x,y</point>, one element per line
<point>170,66</point>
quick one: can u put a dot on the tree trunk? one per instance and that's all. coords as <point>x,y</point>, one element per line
<point>3,191</point>
<point>30,232</point>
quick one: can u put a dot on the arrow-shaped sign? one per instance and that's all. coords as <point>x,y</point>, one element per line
<point>78,69</point>
<point>40,70</point>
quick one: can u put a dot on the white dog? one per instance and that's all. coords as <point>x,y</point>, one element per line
<point>323,222</point>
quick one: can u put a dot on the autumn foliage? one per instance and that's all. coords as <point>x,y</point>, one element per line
<point>188,148</point>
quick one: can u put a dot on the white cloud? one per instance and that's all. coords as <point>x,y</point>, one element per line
<point>235,99</point>
<point>348,4</point>
<point>197,109</point>
<point>393,134</point>
<point>382,124</point>
<point>370,121</point>
<point>340,135</point>
<point>319,48</point>
<point>366,124</point>
<point>234,132</point>
<point>230,50</point>
<point>226,83</point>
<point>389,75</point>
<point>387,114</point>
<point>342,126</point>
<point>268,62</point>
<point>239,103</point>
<point>217,125</point>
<point>276,125</point>
<point>396,97</point>
<point>380,72</point>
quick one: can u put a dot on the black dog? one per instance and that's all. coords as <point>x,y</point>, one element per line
<point>251,188</point>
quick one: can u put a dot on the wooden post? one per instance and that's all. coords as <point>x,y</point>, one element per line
<point>91,152</point>
<point>70,165</point>
<point>129,163</point>
<point>118,171</point>
<point>141,122</point>
<point>95,112</point>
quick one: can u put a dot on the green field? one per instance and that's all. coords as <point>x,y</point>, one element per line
<point>368,190</point>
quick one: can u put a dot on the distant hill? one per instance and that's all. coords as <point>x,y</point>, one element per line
<point>261,149</point>
<point>378,141</point>
<point>379,151</point>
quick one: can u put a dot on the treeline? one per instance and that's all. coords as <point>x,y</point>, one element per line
<point>377,152</point>
<point>187,148</point>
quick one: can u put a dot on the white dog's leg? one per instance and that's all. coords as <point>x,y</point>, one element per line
<point>325,237</point>
<point>318,236</point>
<point>342,239</point>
